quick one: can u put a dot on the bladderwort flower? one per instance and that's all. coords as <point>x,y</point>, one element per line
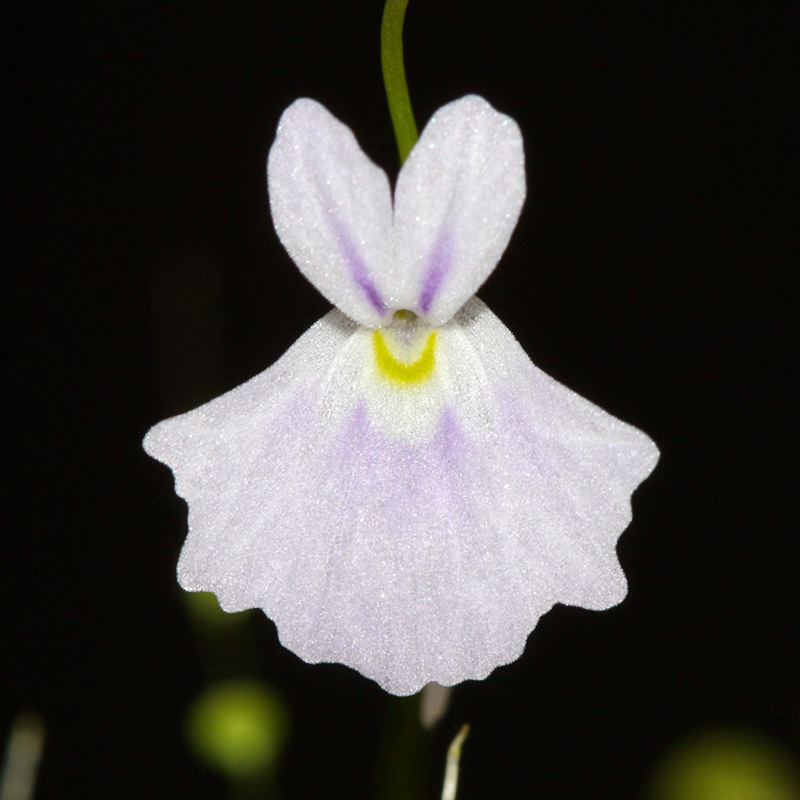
<point>403,492</point>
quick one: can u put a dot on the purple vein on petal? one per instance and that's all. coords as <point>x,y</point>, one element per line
<point>439,264</point>
<point>358,268</point>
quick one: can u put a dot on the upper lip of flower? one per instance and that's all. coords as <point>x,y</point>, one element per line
<point>428,249</point>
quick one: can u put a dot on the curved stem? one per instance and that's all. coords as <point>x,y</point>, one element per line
<point>394,76</point>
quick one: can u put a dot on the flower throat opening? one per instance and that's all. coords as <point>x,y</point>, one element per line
<point>405,351</point>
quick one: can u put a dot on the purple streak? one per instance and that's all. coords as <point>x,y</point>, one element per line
<point>439,265</point>
<point>358,269</point>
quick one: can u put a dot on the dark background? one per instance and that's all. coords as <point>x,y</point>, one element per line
<point>650,272</point>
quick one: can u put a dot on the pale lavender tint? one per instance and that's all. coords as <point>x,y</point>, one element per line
<point>358,268</point>
<point>404,468</point>
<point>439,264</point>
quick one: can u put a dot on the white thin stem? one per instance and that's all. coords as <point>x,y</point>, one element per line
<point>451,770</point>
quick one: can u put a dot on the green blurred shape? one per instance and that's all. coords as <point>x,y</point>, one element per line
<point>726,764</point>
<point>238,727</point>
<point>204,608</point>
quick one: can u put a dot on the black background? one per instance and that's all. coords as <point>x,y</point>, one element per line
<point>650,272</point>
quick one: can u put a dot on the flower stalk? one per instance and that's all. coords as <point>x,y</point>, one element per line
<point>394,77</point>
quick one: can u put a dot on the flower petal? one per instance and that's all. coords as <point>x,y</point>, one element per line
<point>208,447</point>
<point>457,201</point>
<point>410,555</point>
<point>332,209</point>
<point>563,470</point>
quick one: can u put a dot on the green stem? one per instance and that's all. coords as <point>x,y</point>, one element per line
<point>394,76</point>
<point>402,766</point>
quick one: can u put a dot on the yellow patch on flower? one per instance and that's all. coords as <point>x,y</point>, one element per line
<point>401,371</point>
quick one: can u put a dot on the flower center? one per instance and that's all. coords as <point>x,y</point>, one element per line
<point>405,351</point>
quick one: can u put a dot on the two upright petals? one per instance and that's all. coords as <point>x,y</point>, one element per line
<point>457,200</point>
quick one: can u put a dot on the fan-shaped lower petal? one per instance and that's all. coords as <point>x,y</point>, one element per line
<point>409,557</point>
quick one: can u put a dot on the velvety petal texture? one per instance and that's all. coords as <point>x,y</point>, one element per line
<point>458,198</point>
<point>403,491</point>
<point>332,209</point>
<point>457,201</point>
<point>410,559</point>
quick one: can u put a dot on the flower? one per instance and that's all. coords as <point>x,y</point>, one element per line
<point>403,491</point>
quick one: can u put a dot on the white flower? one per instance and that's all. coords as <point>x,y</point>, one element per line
<point>403,491</point>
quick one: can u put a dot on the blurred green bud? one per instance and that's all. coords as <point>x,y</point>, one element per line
<point>238,727</point>
<point>726,764</point>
